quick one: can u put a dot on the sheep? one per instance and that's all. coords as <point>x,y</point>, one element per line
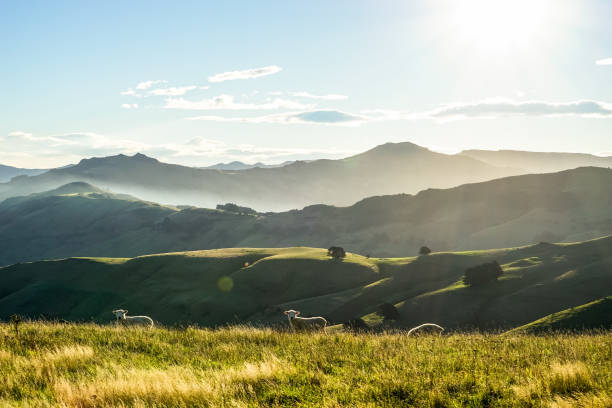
<point>426,327</point>
<point>126,320</point>
<point>305,323</point>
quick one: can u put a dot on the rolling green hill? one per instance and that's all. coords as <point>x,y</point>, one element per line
<point>82,220</point>
<point>593,315</point>
<point>255,285</point>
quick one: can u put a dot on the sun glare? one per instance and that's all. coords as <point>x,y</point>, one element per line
<point>499,25</point>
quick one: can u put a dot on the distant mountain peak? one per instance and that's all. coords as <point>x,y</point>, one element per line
<point>140,156</point>
<point>392,149</point>
<point>121,158</point>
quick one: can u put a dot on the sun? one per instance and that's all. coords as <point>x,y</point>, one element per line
<point>498,25</point>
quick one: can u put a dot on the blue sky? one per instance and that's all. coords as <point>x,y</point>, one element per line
<point>282,80</point>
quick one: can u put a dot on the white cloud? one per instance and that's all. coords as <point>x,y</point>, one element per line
<point>605,61</point>
<point>129,105</point>
<point>504,107</point>
<point>491,108</point>
<point>129,92</point>
<point>27,150</point>
<point>245,74</point>
<point>227,102</point>
<point>172,91</point>
<point>318,117</point>
<point>148,84</point>
<point>20,134</point>
<point>330,97</point>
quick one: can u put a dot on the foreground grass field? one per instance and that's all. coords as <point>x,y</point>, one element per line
<point>98,366</point>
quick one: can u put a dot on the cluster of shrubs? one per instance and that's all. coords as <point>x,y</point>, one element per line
<point>236,209</point>
<point>336,252</point>
<point>482,274</point>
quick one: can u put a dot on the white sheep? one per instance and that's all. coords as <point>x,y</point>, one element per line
<point>126,320</point>
<point>305,323</point>
<point>426,327</point>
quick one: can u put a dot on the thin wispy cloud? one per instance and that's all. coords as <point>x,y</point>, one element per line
<point>148,84</point>
<point>329,97</point>
<point>52,150</point>
<point>503,107</point>
<point>605,61</point>
<point>245,74</point>
<point>315,117</point>
<point>129,92</point>
<point>494,108</point>
<point>129,105</point>
<point>228,102</point>
<point>173,91</point>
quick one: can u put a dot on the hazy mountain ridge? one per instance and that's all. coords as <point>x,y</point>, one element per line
<point>8,172</point>
<point>572,205</point>
<point>386,169</point>
<point>538,162</point>
<point>238,165</point>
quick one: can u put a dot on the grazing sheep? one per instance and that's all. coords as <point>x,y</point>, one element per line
<point>126,320</point>
<point>426,328</point>
<point>305,323</point>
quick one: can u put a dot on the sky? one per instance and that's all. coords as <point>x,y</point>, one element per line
<point>202,82</point>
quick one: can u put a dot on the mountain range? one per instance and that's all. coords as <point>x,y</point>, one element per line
<point>391,168</point>
<point>8,172</point>
<point>538,162</point>
<point>79,219</point>
<point>238,165</point>
<point>386,169</point>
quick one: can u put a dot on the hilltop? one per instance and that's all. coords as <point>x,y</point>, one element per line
<point>241,285</point>
<point>568,206</point>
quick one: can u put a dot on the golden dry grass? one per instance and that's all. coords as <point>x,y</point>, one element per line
<point>96,366</point>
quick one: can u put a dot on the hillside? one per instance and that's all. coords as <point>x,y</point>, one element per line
<point>538,162</point>
<point>216,287</point>
<point>568,206</point>
<point>386,169</point>
<point>593,315</point>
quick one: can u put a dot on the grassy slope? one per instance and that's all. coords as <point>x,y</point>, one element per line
<point>104,366</point>
<point>593,315</point>
<point>239,285</point>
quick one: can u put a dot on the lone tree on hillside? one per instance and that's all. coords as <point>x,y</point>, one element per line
<point>482,274</point>
<point>336,252</point>
<point>388,312</point>
<point>236,209</point>
<point>424,250</point>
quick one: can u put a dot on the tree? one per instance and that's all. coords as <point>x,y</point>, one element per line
<point>236,209</point>
<point>389,312</point>
<point>482,274</point>
<point>424,251</point>
<point>336,252</point>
